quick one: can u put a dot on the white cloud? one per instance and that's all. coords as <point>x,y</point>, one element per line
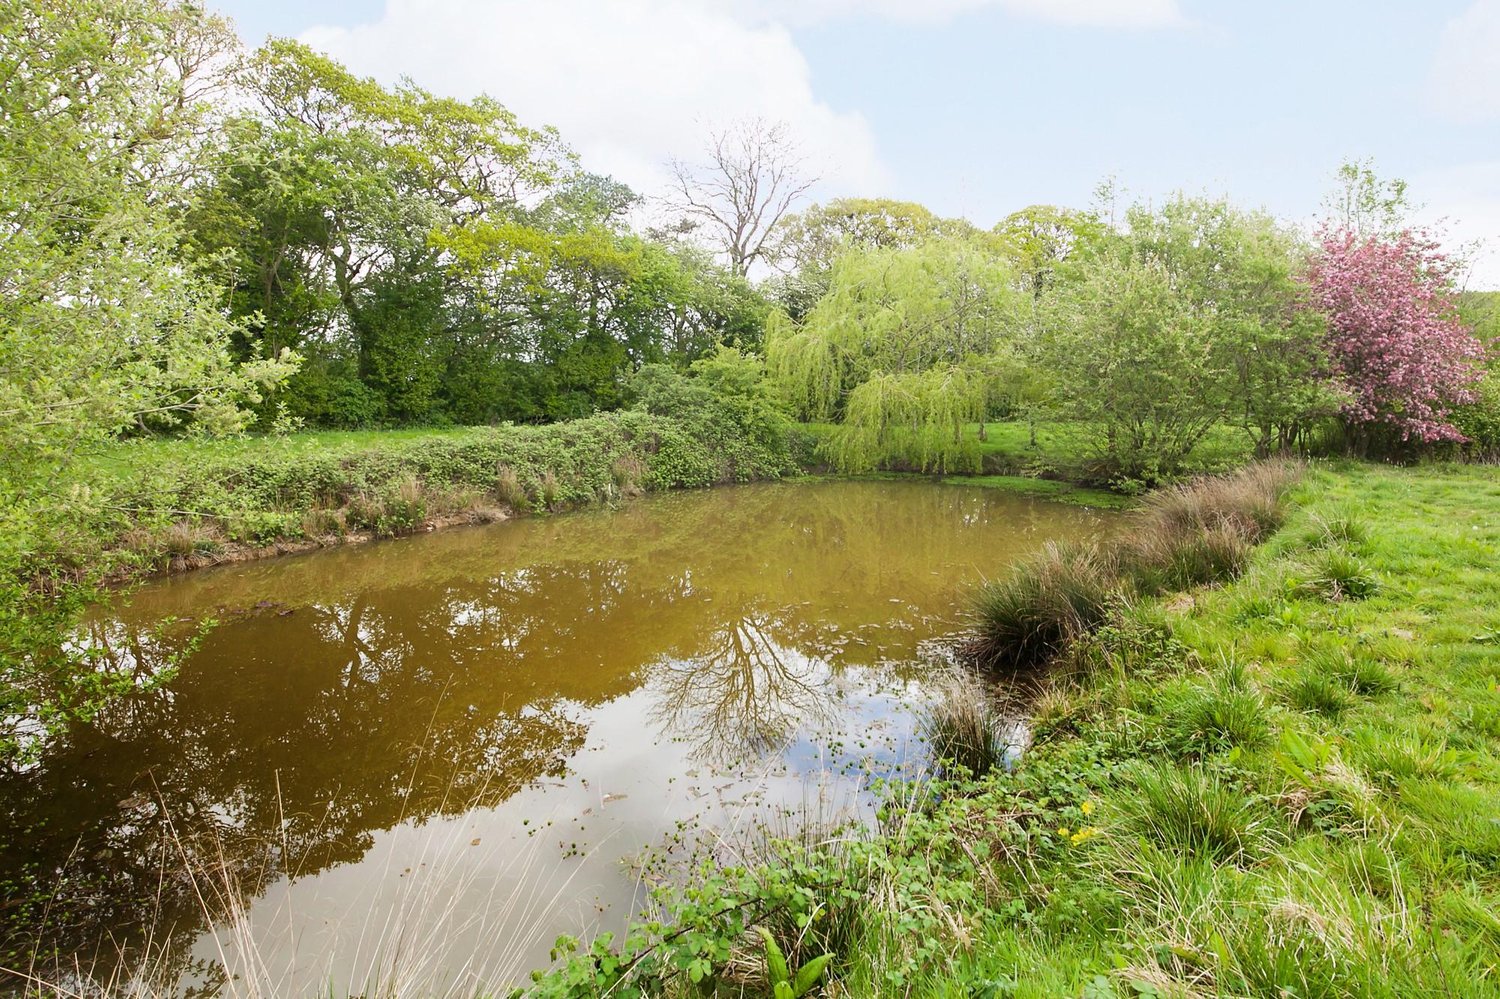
<point>1084,13</point>
<point>628,83</point>
<point>1101,13</point>
<point>1464,203</point>
<point>1465,80</point>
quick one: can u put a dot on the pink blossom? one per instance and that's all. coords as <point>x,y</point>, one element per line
<point>1396,344</point>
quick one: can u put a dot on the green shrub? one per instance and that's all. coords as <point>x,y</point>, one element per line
<point>1479,419</point>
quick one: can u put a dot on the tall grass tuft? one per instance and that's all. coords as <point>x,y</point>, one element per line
<point>1192,534</point>
<point>1338,574</point>
<point>508,488</point>
<point>1251,499</point>
<point>962,728</point>
<point>1164,560</point>
<point>629,473</point>
<point>1202,531</point>
<point>1312,690</point>
<point>1046,604</point>
<point>1222,716</point>
<point>1188,810</point>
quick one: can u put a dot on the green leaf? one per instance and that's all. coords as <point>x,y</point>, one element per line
<point>776,969</point>
<point>809,973</point>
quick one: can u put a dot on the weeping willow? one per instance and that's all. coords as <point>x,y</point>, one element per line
<point>805,366</point>
<point>913,418</point>
<point>901,352</point>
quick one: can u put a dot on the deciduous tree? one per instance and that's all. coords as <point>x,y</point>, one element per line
<point>907,347</point>
<point>1395,338</point>
<point>751,179</point>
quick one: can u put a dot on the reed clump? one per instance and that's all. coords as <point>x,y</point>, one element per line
<point>1188,535</point>
<point>1045,605</point>
<point>962,729</point>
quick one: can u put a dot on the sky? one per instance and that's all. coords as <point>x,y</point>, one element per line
<point>980,107</point>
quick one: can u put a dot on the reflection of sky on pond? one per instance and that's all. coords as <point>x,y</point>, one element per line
<point>468,736</point>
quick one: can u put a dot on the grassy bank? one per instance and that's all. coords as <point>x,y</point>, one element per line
<point>162,505</point>
<point>1058,451</point>
<point>167,505</point>
<point>1285,785</point>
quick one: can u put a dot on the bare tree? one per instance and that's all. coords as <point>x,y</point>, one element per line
<point>753,176</point>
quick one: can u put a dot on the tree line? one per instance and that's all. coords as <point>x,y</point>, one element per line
<point>207,237</point>
<point>1142,335</point>
<point>197,234</point>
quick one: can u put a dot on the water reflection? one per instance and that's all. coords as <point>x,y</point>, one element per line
<point>352,692</point>
<point>744,696</point>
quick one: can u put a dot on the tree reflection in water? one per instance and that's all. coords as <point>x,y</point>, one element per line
<point>351,692</point>
<point>744,696</point>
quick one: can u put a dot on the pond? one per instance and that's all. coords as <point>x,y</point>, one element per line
<point>421,761</point>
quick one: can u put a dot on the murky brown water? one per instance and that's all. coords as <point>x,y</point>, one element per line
<point>422,760</point>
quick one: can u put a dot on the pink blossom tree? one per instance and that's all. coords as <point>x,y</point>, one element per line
<point>1397,347</point>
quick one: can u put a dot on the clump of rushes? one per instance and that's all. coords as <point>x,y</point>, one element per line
<point>1202,531</point>
<point>1250,499</point>
<point>1045,605</point>
<point>1336,574</point>
<point>1312,690</point>
<point>1188,535</point>
<point>1194,812</point>
<point>962,729</point>
<point>1219,716</point>
<point>1162,560</point>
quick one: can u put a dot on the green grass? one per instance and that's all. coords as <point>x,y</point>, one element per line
<point>1281,787</point>
<point>125,458</point>
<point>1368,864</point>
<point>1063,448</point>
<point>1021,485</point>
